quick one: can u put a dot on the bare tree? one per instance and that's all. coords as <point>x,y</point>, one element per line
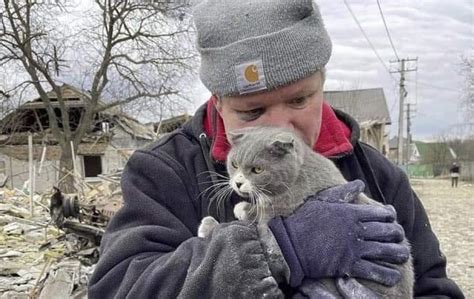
<point>120,51</point>
<point>437,154</point>
<point>466,68</point>
<point>461,139</point>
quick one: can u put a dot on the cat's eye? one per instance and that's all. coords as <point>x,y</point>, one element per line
<point>234,164</point>
<point>257,169</point>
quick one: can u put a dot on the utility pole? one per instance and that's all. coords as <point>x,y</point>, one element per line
<point>403,94</point>
<point>411,113</point>
<point>408,133</point>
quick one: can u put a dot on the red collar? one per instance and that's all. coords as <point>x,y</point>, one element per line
<point>334,137</point>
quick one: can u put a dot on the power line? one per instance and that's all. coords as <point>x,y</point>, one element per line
<point>393,106</point>
<point>435,86</point>
<point>386,29</point>
<point>368,40</point>
<point>394,102</point>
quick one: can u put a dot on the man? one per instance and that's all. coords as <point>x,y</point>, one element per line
<point>264,62</point>
<point>454,173</point>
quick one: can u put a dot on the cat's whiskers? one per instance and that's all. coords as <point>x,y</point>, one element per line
<point>260,203</point>
<point>216,184</point>
<point>270,203</point>
<point>221,194</point>
<point>213,173</point>
<point>264,190</point>
<point>292,196</point>
<point>214,188</point>
<point>254,207</point>
<point>260,208</point>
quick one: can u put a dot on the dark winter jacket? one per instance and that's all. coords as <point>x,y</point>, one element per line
<point>150,249</point>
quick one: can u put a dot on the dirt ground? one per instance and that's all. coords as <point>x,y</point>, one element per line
<point>451,213</point>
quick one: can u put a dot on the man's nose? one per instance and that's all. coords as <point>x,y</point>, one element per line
<point>278,118</point>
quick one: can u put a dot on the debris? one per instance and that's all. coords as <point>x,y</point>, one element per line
<point>3,180</point>
<point>13,229</point>
<point>9,269</point>
<point>11,253</point>
<point>59,285</point>
<point>52,254</point>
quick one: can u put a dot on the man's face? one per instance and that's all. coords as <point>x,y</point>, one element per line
<point>297,106</point>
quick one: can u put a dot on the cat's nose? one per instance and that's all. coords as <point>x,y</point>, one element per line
<point>238,185</point>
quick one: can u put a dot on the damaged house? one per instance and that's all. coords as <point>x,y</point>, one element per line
<point>369,108</point>
<point>113,136</point>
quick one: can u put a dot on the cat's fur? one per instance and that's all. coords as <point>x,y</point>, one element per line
<point>274,171</point>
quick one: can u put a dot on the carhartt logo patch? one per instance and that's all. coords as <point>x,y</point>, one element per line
<point>251,73</point>
<point>250,77</point>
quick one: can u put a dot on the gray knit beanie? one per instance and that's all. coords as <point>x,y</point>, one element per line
<point>255,45</point>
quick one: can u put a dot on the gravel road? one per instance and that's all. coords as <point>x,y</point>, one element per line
<point>451,213</point>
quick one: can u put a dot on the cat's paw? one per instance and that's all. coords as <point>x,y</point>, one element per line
<point>207,226</point>
<point>241,211</point>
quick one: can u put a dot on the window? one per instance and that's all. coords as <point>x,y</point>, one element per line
<point>92,166</point>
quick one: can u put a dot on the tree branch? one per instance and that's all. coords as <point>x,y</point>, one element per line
<point>133,98</point>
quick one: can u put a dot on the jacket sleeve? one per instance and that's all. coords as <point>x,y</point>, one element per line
<point>150,248</point>
<point>429,262</point>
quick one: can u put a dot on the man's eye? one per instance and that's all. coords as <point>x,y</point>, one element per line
<point>250,115</point>
<point>298,102</point>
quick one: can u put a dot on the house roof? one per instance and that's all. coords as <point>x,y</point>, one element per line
<point>134,127</point>
<point>365,105</point>
<point>172,123</point>
<point>434,149</point>
<point>393,142</point>
<point>74,98</point>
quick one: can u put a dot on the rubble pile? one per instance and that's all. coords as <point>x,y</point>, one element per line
<point>51,252</point>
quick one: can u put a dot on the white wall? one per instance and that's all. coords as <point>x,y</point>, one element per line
<point>18,172</point>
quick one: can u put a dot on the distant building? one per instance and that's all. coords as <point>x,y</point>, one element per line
<point>106,147</point>
<point>431,152</point>
<point>170,124</point>
<point>393,149</point>
<point>430,159</point>
<point>369,108</point>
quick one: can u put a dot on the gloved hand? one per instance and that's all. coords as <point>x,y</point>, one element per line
<point>346,288</point>
<point>341,239</point>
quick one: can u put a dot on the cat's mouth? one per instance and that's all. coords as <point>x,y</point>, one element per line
<point>246,199</point>
<point>245,196</point>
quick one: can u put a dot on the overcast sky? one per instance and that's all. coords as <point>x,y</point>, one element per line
<point>437,32</point>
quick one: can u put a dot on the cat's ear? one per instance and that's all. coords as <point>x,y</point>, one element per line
<point>235,137</point>
<point>282,145</point>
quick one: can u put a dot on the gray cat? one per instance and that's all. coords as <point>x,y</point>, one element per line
<point>276,184</point>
